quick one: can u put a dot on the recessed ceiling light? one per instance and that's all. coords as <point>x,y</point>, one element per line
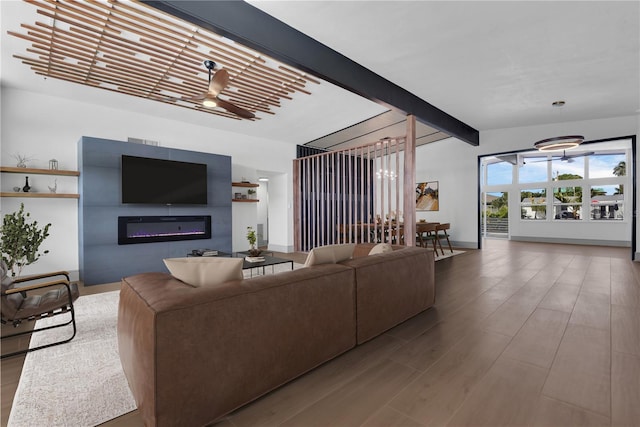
<point>263,179</point>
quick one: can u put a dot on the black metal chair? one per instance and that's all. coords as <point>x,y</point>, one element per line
<point>22,302</point>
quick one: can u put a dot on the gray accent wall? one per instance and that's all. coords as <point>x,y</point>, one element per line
<point>101,259</point>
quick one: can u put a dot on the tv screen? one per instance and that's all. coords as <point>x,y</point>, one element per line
<point>168,182</point>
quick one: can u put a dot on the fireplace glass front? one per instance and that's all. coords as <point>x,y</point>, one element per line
<point>149,229</point>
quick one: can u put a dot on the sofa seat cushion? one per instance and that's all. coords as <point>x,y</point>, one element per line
<point>205,271</point>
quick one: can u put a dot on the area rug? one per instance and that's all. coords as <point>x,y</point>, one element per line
<point>80,383</point>
<point>448,254</point>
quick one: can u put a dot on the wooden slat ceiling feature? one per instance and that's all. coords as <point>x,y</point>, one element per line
<point>128,47</point>
<point>388,124</point>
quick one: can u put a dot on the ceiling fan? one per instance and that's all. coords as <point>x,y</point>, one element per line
<point>565,157</point>
<point>217,82</point>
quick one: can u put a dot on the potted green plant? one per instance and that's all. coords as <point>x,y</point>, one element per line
<point>20,241</point>
<point>252,238</point>
<point>252,193</point>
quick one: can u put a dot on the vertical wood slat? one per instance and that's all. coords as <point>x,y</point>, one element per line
<point>388,179</point>
<point>361,198</point>
<point>308,201</point>
<point>349,199</point>
<point>342,196</point>
<point>315,201</point>
<point>409,182</point>
<point>297,211</point>
<point>321,198</point>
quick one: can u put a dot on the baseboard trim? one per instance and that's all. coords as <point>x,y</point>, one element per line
<point>463,245</point>
<point>590,242</point>
<point>280,248</point>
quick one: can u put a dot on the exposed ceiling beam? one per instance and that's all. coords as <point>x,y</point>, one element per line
<point>258,30</point>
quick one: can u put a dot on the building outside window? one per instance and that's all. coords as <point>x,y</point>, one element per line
<point>567,202</point>
<point>533,204</point>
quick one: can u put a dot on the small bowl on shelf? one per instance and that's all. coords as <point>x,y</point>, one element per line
<point>17,189</point>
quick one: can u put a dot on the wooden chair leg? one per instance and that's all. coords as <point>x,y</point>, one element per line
<point>448,242</point>
<point>438,240</point>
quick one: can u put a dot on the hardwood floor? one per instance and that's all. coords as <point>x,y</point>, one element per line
<point>521,334</point>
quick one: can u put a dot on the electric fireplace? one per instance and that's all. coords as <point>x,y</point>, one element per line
<point>149,229</point>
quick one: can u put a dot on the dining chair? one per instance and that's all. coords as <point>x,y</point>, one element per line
<point>425,233</point>
<point>441,233</point>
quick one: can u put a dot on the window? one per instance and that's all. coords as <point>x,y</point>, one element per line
<point>585,185</point>
<point>499,173</point>
<point>607,165</point>
<point>568,169</point>
<point>533,204</point>
<point>534,169</point>
<point>607,202</point>
<point>567,203</point>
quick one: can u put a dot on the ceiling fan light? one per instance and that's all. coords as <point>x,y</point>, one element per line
<point>209,102</point>
<point>559,143</point>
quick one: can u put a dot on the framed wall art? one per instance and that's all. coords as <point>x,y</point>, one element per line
<point>427,196</point>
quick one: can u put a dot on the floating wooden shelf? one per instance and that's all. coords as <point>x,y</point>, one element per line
<point>34,171</point>
<point>41,195</point>
<point>245,200</point>
<point>244,184</point>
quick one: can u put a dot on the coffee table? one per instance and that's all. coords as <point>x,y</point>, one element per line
<point>246,253</point>
<point>268,261</point>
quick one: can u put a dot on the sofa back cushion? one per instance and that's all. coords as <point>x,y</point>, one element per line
<point>205,271</point>
<point>330,254</point>
<point>381,248</point>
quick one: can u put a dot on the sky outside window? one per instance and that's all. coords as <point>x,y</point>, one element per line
<point>499,173</point>
<point>602,166</point>
<point>533,171</point>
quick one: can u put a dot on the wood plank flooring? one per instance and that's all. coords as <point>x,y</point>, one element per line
<point>521,334</point>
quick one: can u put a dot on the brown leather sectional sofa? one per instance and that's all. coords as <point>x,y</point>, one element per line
<point>192,355</point>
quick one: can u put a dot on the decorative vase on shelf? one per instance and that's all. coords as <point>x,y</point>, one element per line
<point>26,187</point>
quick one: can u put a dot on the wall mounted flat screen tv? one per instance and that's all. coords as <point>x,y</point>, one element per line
<point>168,182</point>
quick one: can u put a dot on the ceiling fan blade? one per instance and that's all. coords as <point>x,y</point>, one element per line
<point>191,98</point>
<point>232,108</point>
<point>219,81</point>
<point>588,153</point>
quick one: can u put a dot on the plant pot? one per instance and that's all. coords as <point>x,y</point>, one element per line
<point>254,252</point>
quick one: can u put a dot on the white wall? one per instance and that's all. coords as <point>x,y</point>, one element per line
<point>263,208</point>
<point>281,213</point>
<point>47,127</point>
<point>454,164</point>
<point>244,214</point>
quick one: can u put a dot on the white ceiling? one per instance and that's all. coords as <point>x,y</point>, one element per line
<point>489,64</point>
